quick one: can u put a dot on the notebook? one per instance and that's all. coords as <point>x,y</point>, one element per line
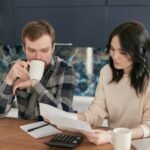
<point>40,132</point>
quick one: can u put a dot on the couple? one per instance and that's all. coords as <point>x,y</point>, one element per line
<point>122,94</point>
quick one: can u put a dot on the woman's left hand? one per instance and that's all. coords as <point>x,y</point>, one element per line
<point>98,136</point>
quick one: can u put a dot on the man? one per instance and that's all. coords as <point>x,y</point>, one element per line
<point>57,84</point>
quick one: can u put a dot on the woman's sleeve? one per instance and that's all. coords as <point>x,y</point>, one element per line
<point>146,115</point>
<point>96,112</point>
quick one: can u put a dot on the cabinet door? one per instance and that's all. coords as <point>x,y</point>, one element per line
<point>128,2</point>
<point>118,14</point>
<point>81,23</point>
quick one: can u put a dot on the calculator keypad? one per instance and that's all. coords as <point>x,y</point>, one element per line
<point>63,140</point>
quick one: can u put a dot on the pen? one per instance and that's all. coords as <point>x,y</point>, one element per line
<point>32,129</point>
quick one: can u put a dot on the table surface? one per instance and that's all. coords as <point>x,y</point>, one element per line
<point>13,138</point>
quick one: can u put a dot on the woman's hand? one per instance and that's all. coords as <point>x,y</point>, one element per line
<point>98,136</point>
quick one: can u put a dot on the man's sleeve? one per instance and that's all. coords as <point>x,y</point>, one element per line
<point>6,97</point>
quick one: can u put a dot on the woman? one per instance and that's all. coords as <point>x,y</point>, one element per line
<point>123,91</point>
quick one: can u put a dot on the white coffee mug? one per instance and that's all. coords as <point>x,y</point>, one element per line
<point>36,69</point>
<point>121,139</point>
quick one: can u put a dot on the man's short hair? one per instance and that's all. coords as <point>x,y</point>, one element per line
<point>35,29</point>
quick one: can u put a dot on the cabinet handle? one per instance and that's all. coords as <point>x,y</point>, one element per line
<point>63,44</point>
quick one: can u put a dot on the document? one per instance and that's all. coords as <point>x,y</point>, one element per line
<point>70,124</point>
<point>48,110</point>
<point>141,144</point>
<point>63,120</point>
<point>39,129</point>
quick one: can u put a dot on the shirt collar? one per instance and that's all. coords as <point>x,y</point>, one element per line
<point>52,63</point>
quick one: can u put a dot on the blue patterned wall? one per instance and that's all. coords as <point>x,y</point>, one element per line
<point>87,62</point>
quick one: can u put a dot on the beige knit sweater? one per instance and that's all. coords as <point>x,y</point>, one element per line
<point>119,103</point>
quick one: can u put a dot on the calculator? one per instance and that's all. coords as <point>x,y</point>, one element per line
<point>63,140</point>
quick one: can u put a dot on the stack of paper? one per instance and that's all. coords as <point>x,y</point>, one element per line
<point>40,132</point>
<point>141,144</point>
<point>62,119</point>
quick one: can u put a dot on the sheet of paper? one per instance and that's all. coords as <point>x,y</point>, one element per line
<point>47,110</point>
<point>62,119</point>
<point>141,144</point>
<point>70,124</point>
<point>41,132</point>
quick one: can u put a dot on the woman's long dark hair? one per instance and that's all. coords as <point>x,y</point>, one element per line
<point>134,40</point>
